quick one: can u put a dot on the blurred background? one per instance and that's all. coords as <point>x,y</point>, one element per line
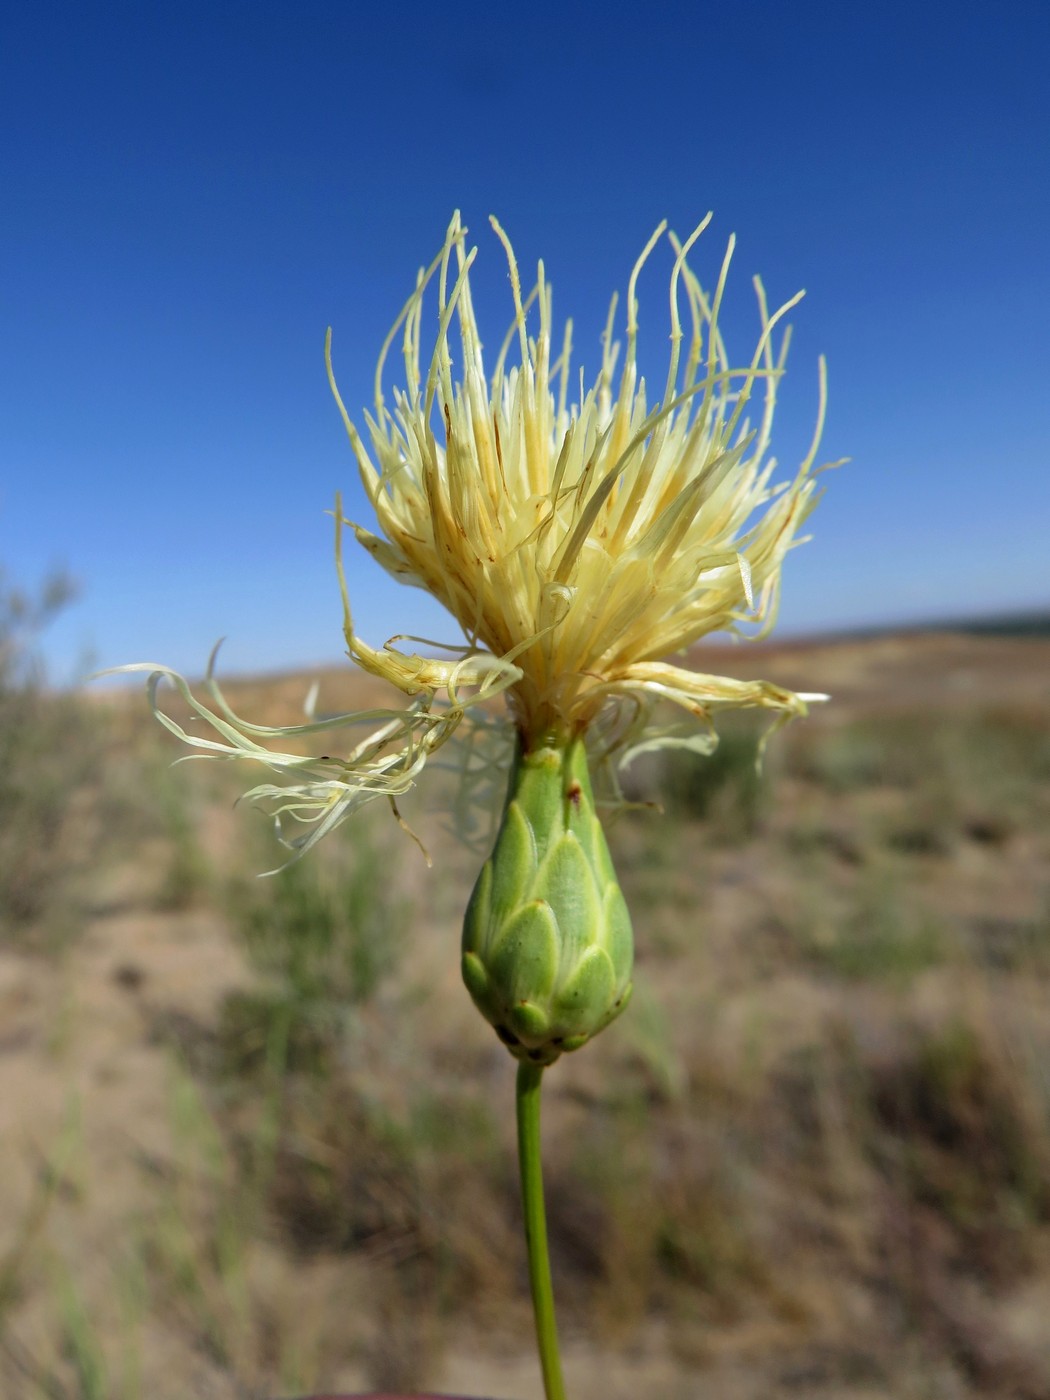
<point>255,1141</point>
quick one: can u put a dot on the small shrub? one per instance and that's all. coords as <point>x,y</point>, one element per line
<point>726,788</point>
<point>48,751</point>
<point>187,875</point>
<point>889,749</point>
<point>972,1146</point>
<point>880,937</point>
<point>324,936</point>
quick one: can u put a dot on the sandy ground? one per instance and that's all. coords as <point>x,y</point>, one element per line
<point>86,1082</point>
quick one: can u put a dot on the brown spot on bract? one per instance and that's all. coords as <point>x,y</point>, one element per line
<point>574,792</point>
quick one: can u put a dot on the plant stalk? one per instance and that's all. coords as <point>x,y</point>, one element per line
<point>531,1167</point>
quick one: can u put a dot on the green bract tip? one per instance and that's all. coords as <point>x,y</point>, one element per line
<point>547,943</point>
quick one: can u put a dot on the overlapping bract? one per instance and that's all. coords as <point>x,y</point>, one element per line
<point>547,942</point>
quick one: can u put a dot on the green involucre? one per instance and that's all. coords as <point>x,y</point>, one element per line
<point>547,945</point>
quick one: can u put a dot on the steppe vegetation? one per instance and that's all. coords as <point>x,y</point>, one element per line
<point>256,1142</point>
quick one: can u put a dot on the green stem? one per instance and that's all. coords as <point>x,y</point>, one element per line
<point>528,1106</point>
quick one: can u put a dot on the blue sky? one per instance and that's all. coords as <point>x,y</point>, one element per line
<point>192,193</point>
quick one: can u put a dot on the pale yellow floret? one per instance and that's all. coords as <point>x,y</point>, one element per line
<point>578,543</point>
<point>581,542</point>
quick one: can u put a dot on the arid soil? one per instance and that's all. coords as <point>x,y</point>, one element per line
<point>811,1161</point>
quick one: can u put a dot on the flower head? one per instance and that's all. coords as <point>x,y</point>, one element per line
<point>577,541</point>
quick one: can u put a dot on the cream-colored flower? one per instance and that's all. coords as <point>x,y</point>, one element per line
<point>578,543</point>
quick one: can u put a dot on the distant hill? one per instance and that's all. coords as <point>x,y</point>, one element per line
<point>1032,624</point>
<point>1019,624</point>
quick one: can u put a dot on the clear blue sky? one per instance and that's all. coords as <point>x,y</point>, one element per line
<point>191,193</point>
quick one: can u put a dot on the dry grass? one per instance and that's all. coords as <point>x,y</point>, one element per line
<point>257,1142</point>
